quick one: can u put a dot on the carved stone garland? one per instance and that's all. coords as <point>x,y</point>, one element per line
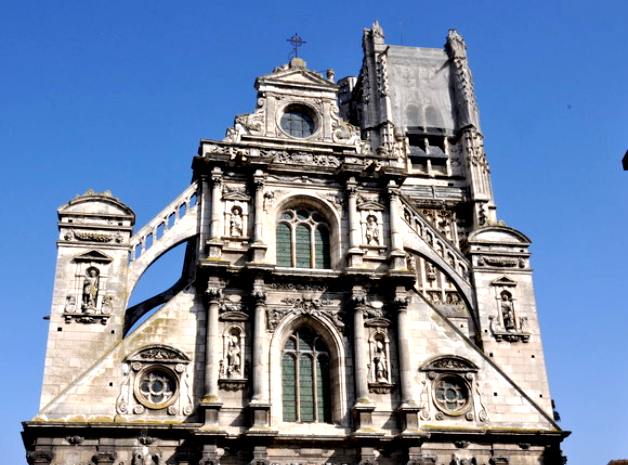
<point>303,305</point>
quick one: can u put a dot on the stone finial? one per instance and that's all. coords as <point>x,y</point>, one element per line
<point>378,33</point>
<point>455,45</point>
<point>331,75</point>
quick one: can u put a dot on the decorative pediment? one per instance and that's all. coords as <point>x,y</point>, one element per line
<point>449,363</point>
<point>499,234</point>
<point>371,205</point>
<point>92,204</point>
<point>293,74</point>
<point>235,193</point>
<point>93,256</point>
<point>504,281</point>
<point>159,353</point>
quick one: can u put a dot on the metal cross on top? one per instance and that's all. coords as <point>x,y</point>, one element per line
<point>296,42</point>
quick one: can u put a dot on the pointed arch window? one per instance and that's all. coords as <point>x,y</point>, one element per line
<point>302,239</point>
<point>306,381</point>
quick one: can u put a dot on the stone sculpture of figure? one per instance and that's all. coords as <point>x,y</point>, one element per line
<point>372,230</point>
<point>90,289</point>
<point>381,370</point>
<point>234,360</point>
<point>236,222</point>
<point>507,312</point>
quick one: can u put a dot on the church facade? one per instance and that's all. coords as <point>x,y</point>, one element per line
<point>348,295</point>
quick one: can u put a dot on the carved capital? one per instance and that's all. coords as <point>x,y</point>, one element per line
<point>217,180</point>
<point>259,297</point>
<point>39,457</point>
<point>214,294</point>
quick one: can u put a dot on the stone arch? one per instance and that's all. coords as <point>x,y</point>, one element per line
<point>336,346</point>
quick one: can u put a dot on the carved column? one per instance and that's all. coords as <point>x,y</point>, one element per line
<point>204,198</point>
<point>409,409</point>
<point>216,195</point>
<point>398,256</point>
<point>215,245</point>
<point>259,327</point>
<point>260,407</point>
<point>211,399</point>
<point>355,253</point>
<point>363,408</point>
<point>258,247</point>
<point>360,351</point>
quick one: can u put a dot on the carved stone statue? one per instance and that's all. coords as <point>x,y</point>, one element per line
<point>372,230</point>
<point>507,312</point>
<point>234,359</point>
<point>90,289</point>
<point>235,225</point>
<point>379,361</point>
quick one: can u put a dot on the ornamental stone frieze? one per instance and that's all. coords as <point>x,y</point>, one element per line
<point>304,305</point>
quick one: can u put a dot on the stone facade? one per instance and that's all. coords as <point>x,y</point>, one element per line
<point>348,295</point>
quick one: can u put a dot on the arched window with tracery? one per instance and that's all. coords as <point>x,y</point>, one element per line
<point>306,382</point>
<point>303,239</point>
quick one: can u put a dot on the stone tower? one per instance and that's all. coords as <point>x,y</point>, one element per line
<point>348,295</point>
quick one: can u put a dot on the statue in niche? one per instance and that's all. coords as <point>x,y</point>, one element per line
<point>379,361</point>
<point>372,230</point>
<point>235,226</point>
<point>234,359</point>
<point>507,311</point>
<point>90,289</point>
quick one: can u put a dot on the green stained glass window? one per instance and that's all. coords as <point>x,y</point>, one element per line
<point>306,381</point>
<point>324,389</point>
<point>303,240</point>
<point>306,388</point>
<point>304,252</point>
<point>289,374</point>
<point>321,241</point>
<point>284,245</point>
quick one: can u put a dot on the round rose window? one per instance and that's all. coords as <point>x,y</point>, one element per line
<point>156,388</point>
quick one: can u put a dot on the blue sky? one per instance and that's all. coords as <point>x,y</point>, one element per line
<point>115,95</point>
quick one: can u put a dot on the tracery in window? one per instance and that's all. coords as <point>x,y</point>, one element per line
<point>306,382</point>
<point>302,239</point>
<point>451,394</point>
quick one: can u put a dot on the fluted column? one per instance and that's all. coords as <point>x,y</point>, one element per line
<point>258,179</point>
<point>409,410</point>
<point>216,178</point>
<point>355,253</point>
<point>258,359</point>
<point>354,221</point>
<point>258,248</point>
<point>403,343</point>
<point>360,352</point>
<point>214,294</point>
<point>398,256</point>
